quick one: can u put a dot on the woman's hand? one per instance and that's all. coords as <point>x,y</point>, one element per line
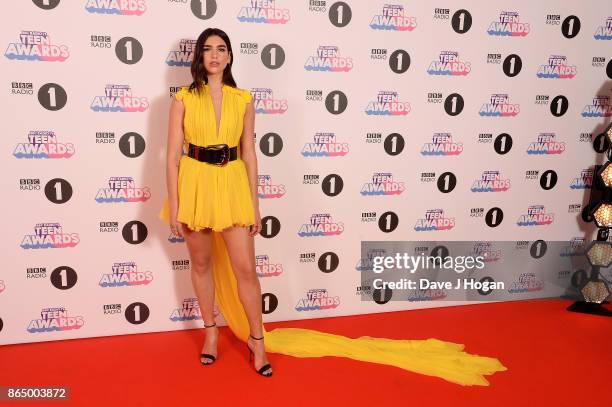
<point>256,228</point>
<point>176,227</point>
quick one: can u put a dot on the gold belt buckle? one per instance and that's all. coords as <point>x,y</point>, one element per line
<point>225,155</point>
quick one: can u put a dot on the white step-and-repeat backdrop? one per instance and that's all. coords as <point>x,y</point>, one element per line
<point>376,120</point>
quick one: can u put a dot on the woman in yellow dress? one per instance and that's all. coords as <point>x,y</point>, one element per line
<point>214,187</point>
<point>212,202</point>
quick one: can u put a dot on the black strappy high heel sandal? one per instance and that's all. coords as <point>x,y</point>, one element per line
<point>208,355</point>
<point>265,367</point>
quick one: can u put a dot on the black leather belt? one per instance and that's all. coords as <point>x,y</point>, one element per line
<point>217,154</point>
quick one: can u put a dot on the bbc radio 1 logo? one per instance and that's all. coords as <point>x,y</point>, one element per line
<point>267,189</point>
<point>600,107</point>
<point>317,299</point>
<point>604,32</point>
<point>509,24</point>
<point>449,63</point>
<point>536,216</point>
<point>499,106</point>
<point>546,144</point>
<point>189,311</point>
<point>54,320</point>
<point>393,17</point>
<point>49,236</point>
<point>43,144</point>
<point>388,103</point>
<point>325,145</point>
<point>182,56</point>
<point>264,268</point>
<point>557,68</point>
<point>125,274</point>
<point>321,224</point>
<point>584,181</point>
<point>461,21</point>
<point>117,7</point>
<point>119,98</point>
<point>36,46</point>
<point>382,183</point>
<point>526,283</point>
<point>122,189</point>
<point>328,59</point>
<point>434,220</point>
<point>265,103</point>
<point>491,181</point>
<point>263,11</point>
<point>442,144</point>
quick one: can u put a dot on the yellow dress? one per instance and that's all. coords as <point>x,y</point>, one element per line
<point>219,197</point>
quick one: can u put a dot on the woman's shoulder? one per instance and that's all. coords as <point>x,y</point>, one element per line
<point>182,93</point>
<point>244,94</point>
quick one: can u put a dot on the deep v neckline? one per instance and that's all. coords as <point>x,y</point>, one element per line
<point>212,105</point>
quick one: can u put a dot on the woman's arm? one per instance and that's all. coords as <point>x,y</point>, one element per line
<point>248,155</point>
<point>173,156</point>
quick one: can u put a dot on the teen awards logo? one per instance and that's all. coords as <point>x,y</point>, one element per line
<point>189,311</point>
<point>499,106</point>
<point>2,286</point>
<point>122,189</point>
<point>125,274</point>
<point>546,143</point>
<point>43,144</point>
<point>434,221</point>
<point>427,294</point>
<point>576,247</point>
<point>509,24</point>
<point>321,224</point>
<point>263,11</point>
<point>266,189</point>
<point>328,59</point>
<point>600,107</point>
<point>36,46</point>
<point>557,68</point>
<point>486,251</point>
<point>55,319</point>
<point>264,268</point>
<point>317,299</point>
<point>448,63</point>
<point>388,103</point>
<point>182,56</point>
<point>584,181</point>
<point>393,17</point>
<point>367,263</point>
<point>442,144</point>
<point>527,282</point>
<point>49,236</point>
<point>264,102</point>
<point>382,183</point>
<point>604,32</point>
<point>536,216</point>
<point>119,7</point>
<point>119,98</point>
<point>325,145</point>
<point>491,181</point>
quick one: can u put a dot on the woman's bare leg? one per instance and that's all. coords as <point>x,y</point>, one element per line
<point>199,245</point>
<point>241,250</point>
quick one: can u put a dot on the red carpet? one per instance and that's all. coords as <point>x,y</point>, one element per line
<point>554,358</point>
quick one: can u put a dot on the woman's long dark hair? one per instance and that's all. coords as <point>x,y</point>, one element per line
<point>198,72</point>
